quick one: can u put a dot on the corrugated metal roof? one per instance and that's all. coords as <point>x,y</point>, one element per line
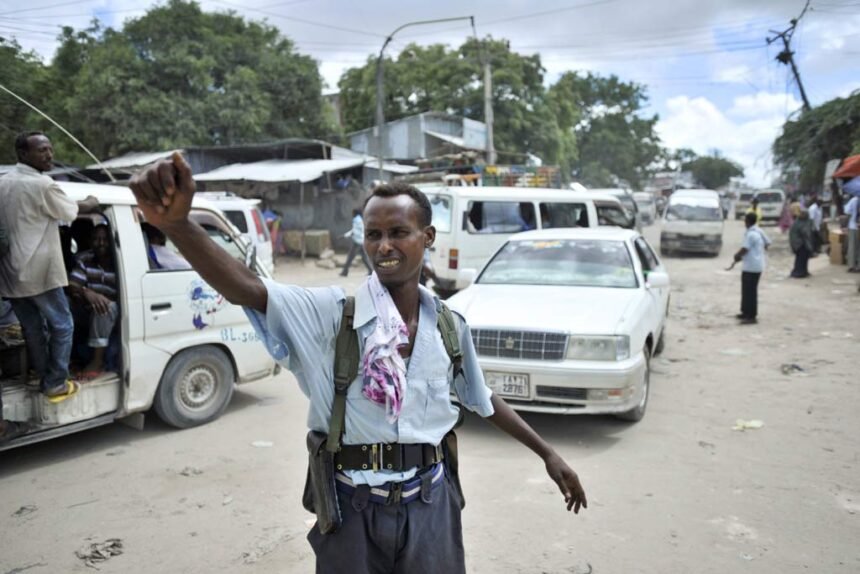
<point>275,170</point>
<point>457,141</point>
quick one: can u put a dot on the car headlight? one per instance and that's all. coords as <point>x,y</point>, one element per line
<point>611,348</point>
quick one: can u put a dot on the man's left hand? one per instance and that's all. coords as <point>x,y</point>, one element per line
<point>567,481</point>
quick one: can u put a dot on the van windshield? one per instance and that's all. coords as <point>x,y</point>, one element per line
<point>441,206</point>
<point>693,212</point>
<point>769,197</point>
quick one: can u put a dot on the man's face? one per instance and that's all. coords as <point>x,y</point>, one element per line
<point>101,242</point>
<point>40,153</point>
<point>395,240</point>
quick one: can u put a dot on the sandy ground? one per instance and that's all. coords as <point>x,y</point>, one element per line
<point>678,492</point>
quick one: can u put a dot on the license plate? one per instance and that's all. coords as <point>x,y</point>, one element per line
<point>506,384</point>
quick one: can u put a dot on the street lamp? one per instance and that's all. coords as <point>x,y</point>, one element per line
<point>380,89</point>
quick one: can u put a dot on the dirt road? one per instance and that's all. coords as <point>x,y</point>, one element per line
<point>678,492</point>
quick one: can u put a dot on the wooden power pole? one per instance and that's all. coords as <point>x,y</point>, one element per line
<point>787,56</point>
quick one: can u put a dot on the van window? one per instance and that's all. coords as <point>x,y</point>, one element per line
<point>554,215</point>
<point>769,197</point>
<point>500,217</point>
<point>237,218</point>
<point>693,212</point>
<point>441,206</point>
<point>612,214</point>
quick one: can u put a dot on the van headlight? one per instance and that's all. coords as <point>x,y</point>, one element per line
<point>611,348</point>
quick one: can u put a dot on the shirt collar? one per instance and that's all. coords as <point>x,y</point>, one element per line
<point>27,169</point>
<point>365,311</point>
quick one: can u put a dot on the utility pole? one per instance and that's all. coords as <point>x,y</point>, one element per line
<point>787,56</point>
<point>380,82</point>
<point>488,110</point>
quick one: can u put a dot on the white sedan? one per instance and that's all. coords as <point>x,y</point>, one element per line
<point>566,320</point>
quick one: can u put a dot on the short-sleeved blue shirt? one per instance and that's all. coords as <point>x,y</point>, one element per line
<point>299,330</point>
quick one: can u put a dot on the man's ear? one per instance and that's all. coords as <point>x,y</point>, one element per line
<point>429,236</point>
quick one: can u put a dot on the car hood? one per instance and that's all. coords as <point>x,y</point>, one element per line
<point>585,310</point>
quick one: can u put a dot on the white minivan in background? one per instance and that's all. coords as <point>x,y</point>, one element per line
<point>473,222</point>
<point>245,214</point>
<point>692,223</point>
<point>178,346</point>
<point>771,203</point>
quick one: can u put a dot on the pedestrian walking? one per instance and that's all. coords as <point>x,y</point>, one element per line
<point>755,209</point>
<point>816,216</point>
<point>752,253</point>
<point>32,206</point>
<point>800,239</point>
<point>386,495</point>
<point>852,210</point>
<point>356,234</point>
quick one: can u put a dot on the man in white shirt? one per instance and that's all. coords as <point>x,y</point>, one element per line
<point>752,253</point>
<point>816,216</point>
<point>32,273</point>
<point>851,209</point>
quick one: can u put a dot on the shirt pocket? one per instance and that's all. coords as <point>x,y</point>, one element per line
<point>439,413</point>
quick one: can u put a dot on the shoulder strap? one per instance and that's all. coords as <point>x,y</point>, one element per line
<point>447,326</point>
<point>345,367</point>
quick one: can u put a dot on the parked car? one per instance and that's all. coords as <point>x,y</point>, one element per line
<point>245,214</point>
<point>692,223</point>
<point>771,202</point>
<point>566,320</point>
<point>178,345</point>
<point>647,207</point>
<point>742,204</point>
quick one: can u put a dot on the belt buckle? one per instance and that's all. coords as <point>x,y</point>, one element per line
<point>375,456</point>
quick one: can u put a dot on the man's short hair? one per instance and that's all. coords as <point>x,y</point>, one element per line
<point>22,142</point>
<point>751,218</point>
<point>425,212</point>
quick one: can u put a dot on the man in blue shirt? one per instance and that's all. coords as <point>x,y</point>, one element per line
<point>299,326</point>
<point>356,234</point>
<point>752,254</point>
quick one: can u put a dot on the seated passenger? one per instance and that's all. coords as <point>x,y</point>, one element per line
<point>93,284</point>
<point>161,256</point>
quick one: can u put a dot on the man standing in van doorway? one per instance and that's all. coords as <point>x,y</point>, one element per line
<point>752,253</point>
<point>33,274</point>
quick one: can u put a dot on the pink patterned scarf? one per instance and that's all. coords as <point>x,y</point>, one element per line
<point>383,368</point>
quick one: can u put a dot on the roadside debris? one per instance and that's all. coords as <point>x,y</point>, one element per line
<point>734,352</point>
<point>791,368</point>
<point>190,471</point>
<point>25,510</point>
<point>742,425</point>
<point>262,444</point>
<point>227,500</point>
<point>98,552</point>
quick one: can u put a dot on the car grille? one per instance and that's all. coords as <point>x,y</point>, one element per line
<point>520,344</point>
<point>567,393</point>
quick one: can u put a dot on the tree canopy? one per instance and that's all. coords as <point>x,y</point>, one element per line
<point>213,79</point>
<point>811,139</point>
<point>712,171</point>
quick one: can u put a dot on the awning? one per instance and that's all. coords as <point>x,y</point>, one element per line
<point>277,170</point>
<point>850,167</point>
<point>133,160</point>
<point>457,141</point>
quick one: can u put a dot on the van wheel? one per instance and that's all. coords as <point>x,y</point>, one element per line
<point>636,414</point>
<point>661,342</point>
<point>195,388</point>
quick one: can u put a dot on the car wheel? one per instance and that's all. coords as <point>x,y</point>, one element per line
<point>661,343</point>
<point>636,414</point>
<point>195,388</point>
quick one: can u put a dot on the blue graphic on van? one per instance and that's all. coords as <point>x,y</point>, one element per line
<point>204,302</point>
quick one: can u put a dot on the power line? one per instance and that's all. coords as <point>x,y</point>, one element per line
<point>302,20</point>
<point>36,9</point>
<point>786,56</point>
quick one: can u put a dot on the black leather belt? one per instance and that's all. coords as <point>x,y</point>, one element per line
<point>387,456</point>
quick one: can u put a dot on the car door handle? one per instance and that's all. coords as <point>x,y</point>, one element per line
<point>160,306</point>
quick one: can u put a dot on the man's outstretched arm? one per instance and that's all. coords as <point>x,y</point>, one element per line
<point>164,192</point>
<point>509,421</point>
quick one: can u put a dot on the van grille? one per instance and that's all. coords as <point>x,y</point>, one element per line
<point>520,344</point>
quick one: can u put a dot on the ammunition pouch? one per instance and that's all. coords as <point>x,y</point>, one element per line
<point>320,495</point>
<point>449,447</point>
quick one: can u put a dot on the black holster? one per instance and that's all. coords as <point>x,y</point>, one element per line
<point>449,447</point>
<point>320,495</point>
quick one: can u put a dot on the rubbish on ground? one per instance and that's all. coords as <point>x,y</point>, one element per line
<point>327,253</point>
<point>326,263</point>
<point>705,444</point>
<point>98,552</point>
<point>789,368</point>
<point>25,510</point>
<point>742,425</point>
<point>227,500</point>
<point>262,444</point>
<point>734,352</point>
<point>190,471</point>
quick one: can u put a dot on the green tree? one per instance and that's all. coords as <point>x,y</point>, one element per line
<point>712,171</point>
<point>23,73</point>
<point>812,138</point>
<point>435,78</point>
<point>178,76</point>
<point>615,141</point>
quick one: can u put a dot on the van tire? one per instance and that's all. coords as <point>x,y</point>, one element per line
<point>635,414</point>
<point>195,388</point>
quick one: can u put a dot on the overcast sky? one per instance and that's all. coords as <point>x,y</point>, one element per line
<point>711,76</point>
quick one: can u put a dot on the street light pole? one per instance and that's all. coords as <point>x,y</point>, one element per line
<point>380,83</point>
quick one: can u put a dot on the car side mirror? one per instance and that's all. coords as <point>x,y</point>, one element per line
<point>657,279</point>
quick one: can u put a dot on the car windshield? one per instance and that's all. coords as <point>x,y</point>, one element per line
<point>693,212</point>
<point>627,202</point>
<point>567,262</point>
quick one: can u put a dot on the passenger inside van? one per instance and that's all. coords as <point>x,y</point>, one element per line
<point>159,254</point>
<point>93,295</point>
